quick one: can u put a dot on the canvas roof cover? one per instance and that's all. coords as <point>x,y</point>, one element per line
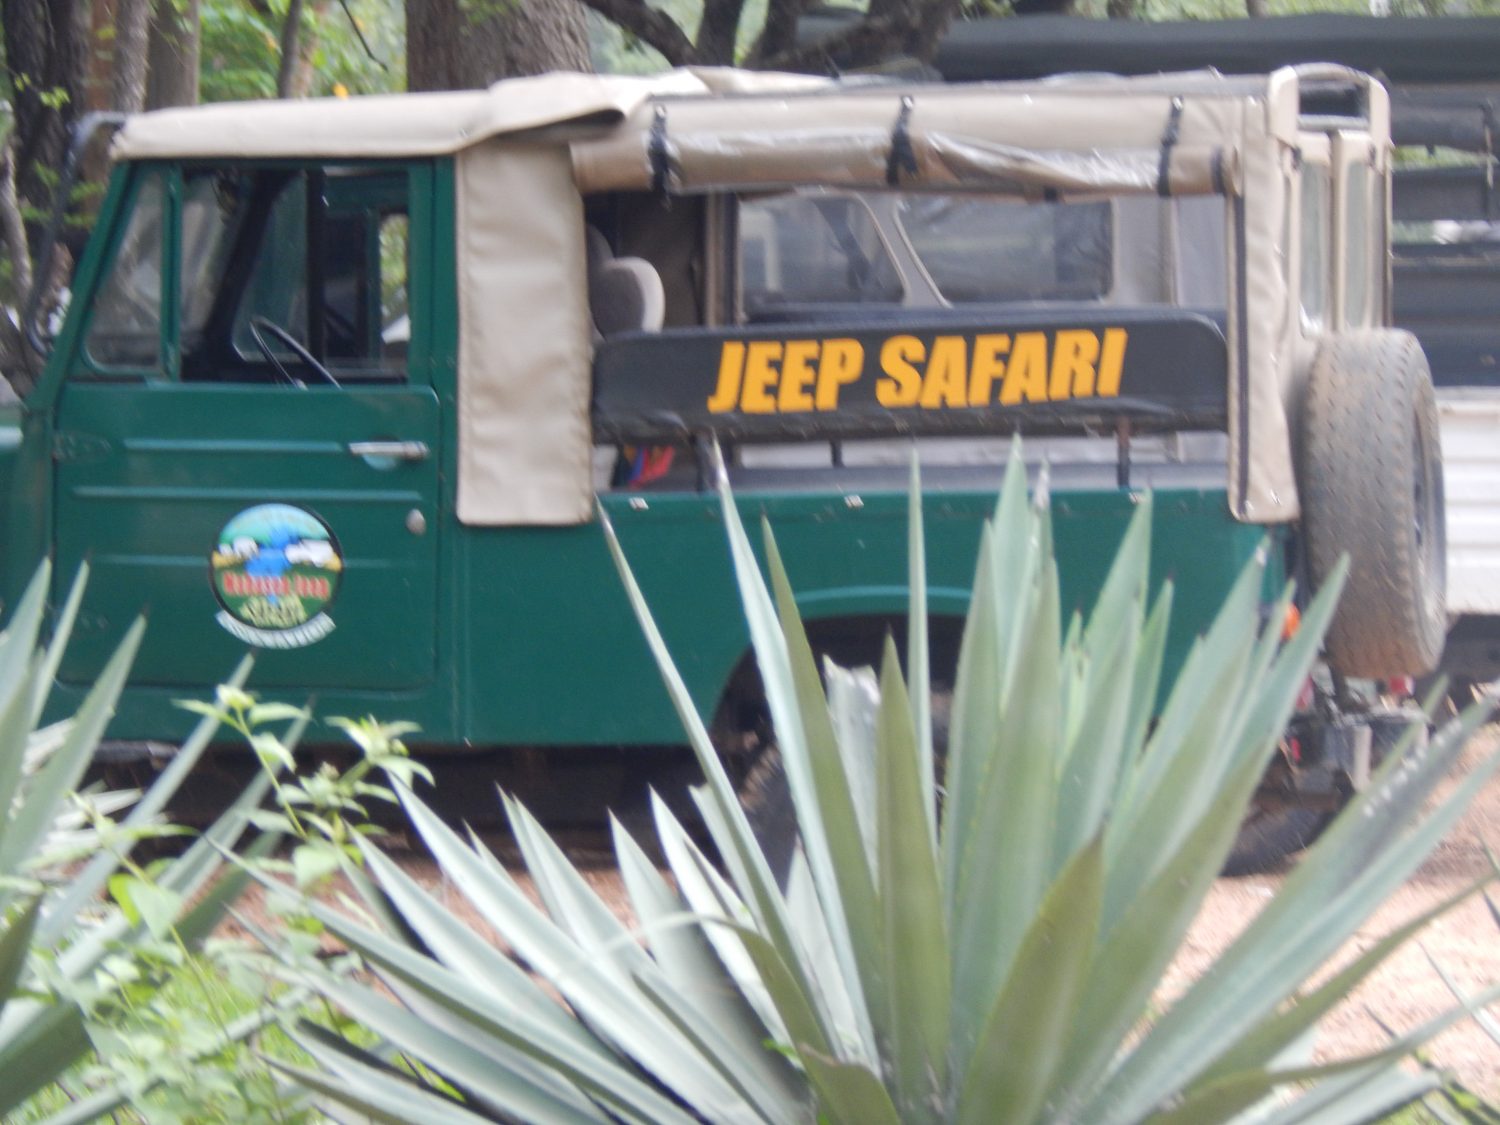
<point>526,148</point>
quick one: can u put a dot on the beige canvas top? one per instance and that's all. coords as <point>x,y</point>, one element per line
<point>527,149</point>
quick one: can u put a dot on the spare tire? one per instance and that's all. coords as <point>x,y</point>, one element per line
<point>1371,483</point>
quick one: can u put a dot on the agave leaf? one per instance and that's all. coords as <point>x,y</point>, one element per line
<point>62,629</point>
<point>1147,675</point>
<point>719,1050</point>
<point>974,725</point>
<point>1223,1097</point>
<point>685,958</point>
<point>916,944</point>
<point>1270,1037</point>
<point>1138,947</point>
<point>1096,758</point>
<point>1004,873</point>
<point>1007,548</point>
<point>1367,1094</point>
<point>918,658</point>
<point>87,884</point>
<point>509,1081</point>
<point>1178,769</point>
<point>1290,938</point>
<point>758,885</point>
<point>15,944</point>
<point>710,896</point>
<point>572,903</point>
<point>1010,1070</point>
<point>62,771</point>
<point>1264,706</point>
<point>507,1019</point>
<point>18,642</point>
<point>786,703</point>
<point>15,730</point>
<point>853,703</point>
<point>1483,1019</point>
<point>618,1011</point>
<point>90,1108</point>
<point>849,1093</point>
<point>38,1042</point>
<point>457,954</point>
<point>1125,585</point>
<point>377,1093</point>
<point>853,926</point>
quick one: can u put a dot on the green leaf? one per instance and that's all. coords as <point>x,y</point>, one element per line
<point>314,862</point>
<point>1005,871</point>
<point>918,658</point>
<point>65,767</point>
<point>848,1094</point>
<point>918,972</point>
<point>1011,1070</point>
<point>15,944</point>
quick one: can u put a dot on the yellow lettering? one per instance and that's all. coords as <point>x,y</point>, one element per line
<point>843,363</point>
<point>988,366</point>
<point>1026,376</point>
<point>946,383</point>
<point>1112,362</point>
<point>903,382</point>
<point>760,376</point>
<point>798,370</point>
<point>1074,354</point>
<point>731,363</point>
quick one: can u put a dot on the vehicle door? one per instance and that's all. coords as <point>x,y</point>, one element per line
<point>246,440</point>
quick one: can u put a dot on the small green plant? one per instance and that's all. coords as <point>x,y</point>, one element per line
<point>68,954</point>
<point>980,943</point>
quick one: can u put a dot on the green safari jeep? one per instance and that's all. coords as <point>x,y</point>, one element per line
<point>343,382</point>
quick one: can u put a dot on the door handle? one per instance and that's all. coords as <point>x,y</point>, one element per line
<point>391,450</point>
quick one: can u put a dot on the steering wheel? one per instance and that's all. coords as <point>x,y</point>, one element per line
<point>259,326</point>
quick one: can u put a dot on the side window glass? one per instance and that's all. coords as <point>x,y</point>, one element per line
<point>395,316</point>
<point>125,330</point>
<point>330,272</point>
<point>989,250</point>
<point>1315,226</point>
<point>277,289</point>
<point>799,250</point>
<point>213,205</point>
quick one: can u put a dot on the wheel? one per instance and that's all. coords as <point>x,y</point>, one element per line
<point>766,797</point>
<point>1269,837</point>
<point>1371,484</point>
<point>260,326</point>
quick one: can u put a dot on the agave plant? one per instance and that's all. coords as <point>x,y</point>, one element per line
<point>979,942</point>
<point>58,852</point>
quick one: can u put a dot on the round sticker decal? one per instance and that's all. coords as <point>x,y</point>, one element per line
<point>275,570</point>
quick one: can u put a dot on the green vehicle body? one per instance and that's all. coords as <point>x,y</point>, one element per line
<point>484,635</point>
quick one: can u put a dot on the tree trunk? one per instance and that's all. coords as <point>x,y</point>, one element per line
<point>172,56</point>
<point>1257,9</point>
<point>132,26</point>
<point>455,45</point>
<point>46,56</point>
<point>291,34</point>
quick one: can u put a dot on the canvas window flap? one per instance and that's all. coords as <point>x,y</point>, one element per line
<point>524,445</point>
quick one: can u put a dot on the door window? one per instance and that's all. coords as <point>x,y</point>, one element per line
<point>125,332</point>
<point>314,268</point>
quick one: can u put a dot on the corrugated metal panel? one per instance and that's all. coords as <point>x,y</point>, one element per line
<point>1470,421</point>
